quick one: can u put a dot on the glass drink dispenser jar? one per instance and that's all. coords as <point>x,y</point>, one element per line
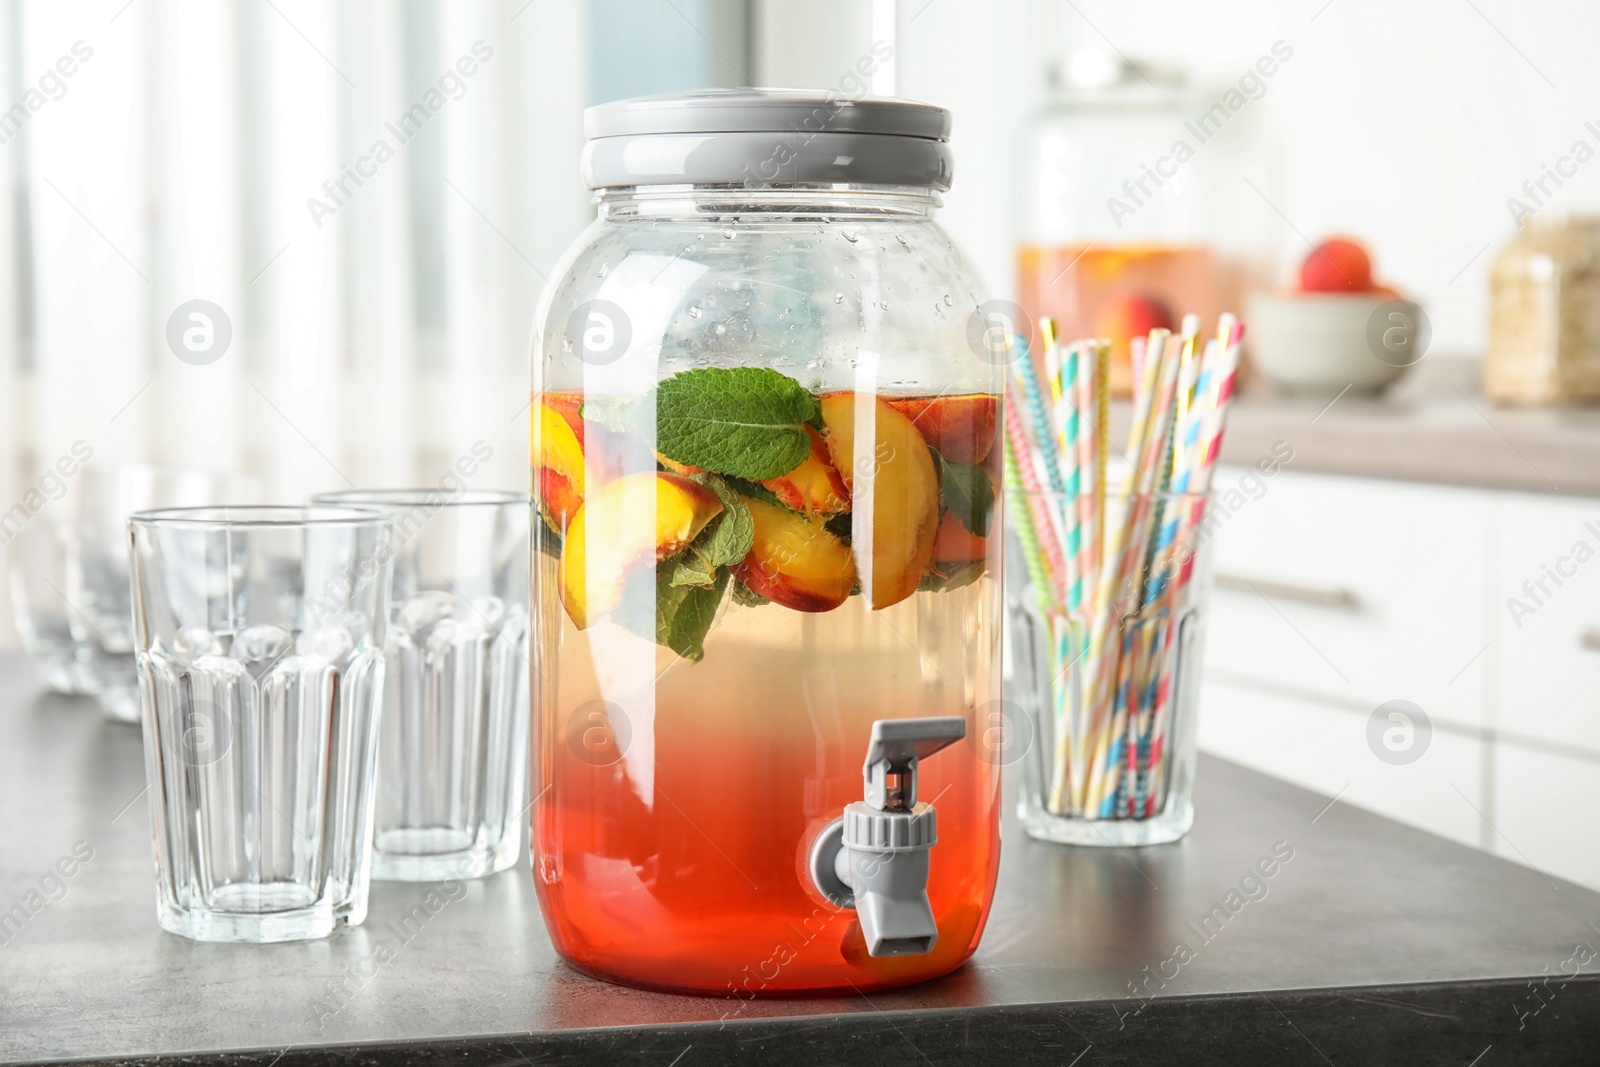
<point>767,573</point>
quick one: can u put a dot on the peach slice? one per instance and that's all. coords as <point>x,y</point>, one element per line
<point>556,450</point>
<point>814,487</point>
<point>960,427</point>
<point>626,526</point>
<point>569,406</point>
<point>795,561</point>
<point>675,467</point>
<point>561,501</point>
<point>954,543</point>
<point>904,488</point>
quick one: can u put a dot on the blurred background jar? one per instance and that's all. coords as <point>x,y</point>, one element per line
<point>1544,314</point>
<point>1112,237</point>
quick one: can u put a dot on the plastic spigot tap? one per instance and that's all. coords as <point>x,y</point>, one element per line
<point>889,776</point>
<point>874,858</point>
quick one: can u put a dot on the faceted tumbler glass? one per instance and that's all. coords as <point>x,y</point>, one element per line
<point>259,638</point>
<point>97,563</point>
<point>36,561</point>
<point>453,748</point>
<point>1107,679</point>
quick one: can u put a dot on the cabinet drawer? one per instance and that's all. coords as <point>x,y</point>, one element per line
<point>1546,603</point>
<point>1325,749</point>
<point>1356,588</point>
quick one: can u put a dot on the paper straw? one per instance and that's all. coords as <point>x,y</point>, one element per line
<point>1075,433</point>
<point>1106,795</point>
<point>1027,449</point>
<point>1175,467</point>
<point>1052,357</point>
<point>1086,402</point>
<point>1023,523</point>
<point>1101,386</point>
<point>1038,421</point>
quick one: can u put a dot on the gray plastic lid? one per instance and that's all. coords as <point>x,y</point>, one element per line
<point>766,137</point>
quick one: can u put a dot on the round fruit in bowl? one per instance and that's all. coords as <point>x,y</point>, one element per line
<point>1337,265</point>
<point>1338,330</point>
<point>1127,316</point>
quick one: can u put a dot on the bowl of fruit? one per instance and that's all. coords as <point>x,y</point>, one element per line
<point>1338,330</point>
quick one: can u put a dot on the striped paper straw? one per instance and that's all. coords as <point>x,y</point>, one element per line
<point>1086,404</point>
<point>1047,541</point>
<point>1025,374</point>
<point>1073,452</point>
<point>1101,385</point>
<point>1175,472</point>
<point>1023,515</point>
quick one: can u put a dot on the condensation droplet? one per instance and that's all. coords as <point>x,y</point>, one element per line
<point>694,313</point>
<point>838,298</point>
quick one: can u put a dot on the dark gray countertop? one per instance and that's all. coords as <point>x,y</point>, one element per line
<point>1374,943</point>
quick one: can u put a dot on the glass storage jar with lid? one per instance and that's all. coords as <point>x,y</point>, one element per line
<point>1544,314</point>
<point>766,580</point>
<point>1112,237</point>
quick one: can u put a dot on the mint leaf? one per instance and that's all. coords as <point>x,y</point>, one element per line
<point>967,492</point>
<point>684,614</point>
<point>726,540</point>
<point>755,491</point>
<point>746,597</point>
<point>745,421</point>
<point>687,568</point>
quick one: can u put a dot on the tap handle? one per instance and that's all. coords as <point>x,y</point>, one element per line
<point>890,771</point>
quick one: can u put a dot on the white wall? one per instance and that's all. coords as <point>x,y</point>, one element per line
<point>1408,124</point>
<point>180,160</point>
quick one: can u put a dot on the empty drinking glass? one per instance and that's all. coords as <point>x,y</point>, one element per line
<point>453,748</point>
<point>97,571</point>
<point>259,634</point>
<point>36,560</point>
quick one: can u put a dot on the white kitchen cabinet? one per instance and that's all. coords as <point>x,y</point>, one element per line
<point>1352,587</point>
<point>1325,748</point>
<point>1483,607</point>
<point>1546,808</point>
<point>1546,605</point>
